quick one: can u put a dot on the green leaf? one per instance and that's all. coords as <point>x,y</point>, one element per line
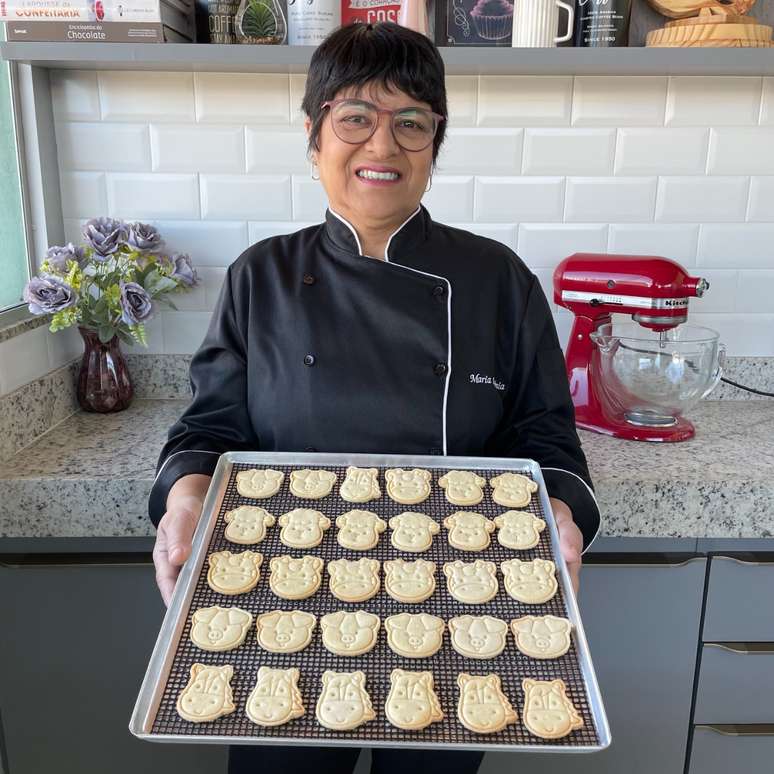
<point>155,283</point>
<point>259,20</point>
<point>125,337</point>
<point>105,333</point>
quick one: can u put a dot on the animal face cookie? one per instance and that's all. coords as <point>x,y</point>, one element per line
<point>409,581</point>
<point>234,573</point>
<point>479,636</point>
<point>360,485</point>
<point>354,580</point>
<point>312,484</point>
<point>259,483</point>
<point>463,487</point>
<point>412,703</point>
<point>414,636</point>
<point>531,582</point>
<point>349,634</point>
<point>219,628</point>
<point>284,631</point>
<point>344,702</point>
<point>408,487</point>
<point>468,531</point>
<point>471,582</point>
<point>518,529</point>
<point>207,695</point>
<point>295,578</point>
<point>303,528</point>
<point>412,531</point>
<point>275,699</point>
<point>483,707</point>
<point>512,489</point>
<point>359,530</point>
<point>548,711</point>
<point>542,636</point>
<point>247,524</point>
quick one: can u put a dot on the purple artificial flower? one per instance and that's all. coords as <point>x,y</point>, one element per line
<point>49,294</point>
<point>136,303</point>
<point>105,235</point>
<point>144,237</point>
<point>58,257</point>
<point>184,272</point>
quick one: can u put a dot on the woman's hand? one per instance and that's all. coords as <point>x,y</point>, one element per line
<point>570,540</point>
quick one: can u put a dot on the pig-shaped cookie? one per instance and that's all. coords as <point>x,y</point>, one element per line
<point>412,703</point>
<point>349,634</point>
<point>354,580</point>
<point>413,531</point>
<point>471,582</point>
<point>360,485</point>
<point>542,636</point>
<point>259,483</point>
<point>512,489</point>
<point>247,524</point>
<point>344,702</point>
<point>234,573</point>
<point>408,487</point>
<point>275,699</point>
<point>208,693</point>
<point>409,582</point>
<point>359,530</point>
<point>219,628</point>
<point>303,528</point>
<point>468,531</point>
<point>312,484</point>
<point>518,529</point>
<point>478,636</point>
<point>530,582</point>
<point>483,707</point>
<point>414,636</point>
<point>463,487</point>
<point>284,631</point>
<point>295,578</point>
<point>548,711</point>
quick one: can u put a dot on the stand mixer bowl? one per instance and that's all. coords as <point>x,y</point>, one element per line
<point>653,378</point>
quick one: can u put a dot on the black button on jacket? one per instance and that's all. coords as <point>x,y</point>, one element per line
<point>446,347</point>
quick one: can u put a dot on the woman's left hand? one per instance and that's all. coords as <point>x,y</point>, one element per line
<point>570,540</point>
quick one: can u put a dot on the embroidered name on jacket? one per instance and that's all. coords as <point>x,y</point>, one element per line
<point>482,379</point>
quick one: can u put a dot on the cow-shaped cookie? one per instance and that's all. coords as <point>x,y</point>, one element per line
<point>468,531</point>
<point>542,636</point>
<point>518,529</point>
<point>349,634</point>
<point>414,635</point>
<point>548,711</point>
<point>512,489</point>
<point>530,582</point>
<point>359,530</point>
<point>483,707</point>
<point>312,484</point>
<point>360,485</point>
<point>247,524</point>
<point>284,631</point>
<point>409,582</point>
<point>275,699</point>
<point>234,573</point>
<point>471,582</point>
<point>208,693</point>
<point>344,702</point>
<point>219,628</point>
<point>413,531</point>
<point>354,580</point>
<point>412,703</point>
<point>478,636</point>
<point>463,487</point>
<point>303,528</point>
<point>295,578</point>
<point>259,484</point>
<point>408,487</point>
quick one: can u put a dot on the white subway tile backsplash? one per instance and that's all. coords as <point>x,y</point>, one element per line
<point>297,87</point>
<point>516,199</point>
<point>75,95</point>
<point>184,331</point>
<point>721,296</point>
<point>193,299</point>
<point>263,229</point>
<point>521,100</point>
<point>741,151</point>
<point>84,194</point>
<point>546,280</point>
<point>619,101</point>
<point>661,151</point>
<point>134,197</point>
<point>276,150</point>
<point>744,246</point>
<point>697,199</point>
<point>569,151</point>
<point>209,243</point>
<point>677,242</point>
<point>63,347</point>
<point>23,358</point>
<point>761,205</point>
<point>481,152</point>
<point>713,101</point>
<point>544,245</point>
<point>125,96</point>
<point>450,198</point>
<point>211,279</point>
<point>767,102</point>
<point>248,197</point>
<point>755,291</point>
<point>238,98</point>
<point>114,147</point>
<point>309,199</point>
<point>505,234</point>
<point>197,148</point>
<point>154,334</point>
<point>745,335</point>
<point>630,199</point>
<point>461,99</point>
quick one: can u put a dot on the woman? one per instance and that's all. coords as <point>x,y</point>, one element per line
<point>377,331</point>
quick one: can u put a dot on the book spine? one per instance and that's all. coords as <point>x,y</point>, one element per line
<point>85,32</point>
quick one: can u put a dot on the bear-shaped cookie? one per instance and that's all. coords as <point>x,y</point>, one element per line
<point>354,580</point>
<point>275,700</point>
<point>219,628</point>
<point>259,483</point>
<point>293,578</point>
<point>478,636</point>
<point>518,529</point>
<point>284,631</point>
<point>208,693</point>
<point>344,702</point>
<point>359,530</point>
<point>530,582</point>
<point>483,707</point>
<point>409,582</point>
<point>234,573</point>
<point>542,636</point>
<point>414,635</point>
<point>311,483</point>
<point>413,531</point>
<point>303,528</point>
<point>512,490</point>
<point>408,487</point>
<point>471,582</point>
<point>247,524</point>
<point>463,487</point>
<point>360,485</point>
<point>468,531</point>
<point>349,634</point>
<point>412,703</point>
<point>548,711</point>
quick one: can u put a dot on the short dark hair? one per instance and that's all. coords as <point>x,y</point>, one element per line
<point>392,55</point>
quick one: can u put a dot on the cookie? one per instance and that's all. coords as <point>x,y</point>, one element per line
<point>359,530</point>
<point>275,700</point>
<point>463,487</point>
<point>548,711</point>
<point>542,636</point>
<point>408,487</point>
<point>512,490</point>
<point>247,524</point>
<point>530,582</point>
<point>414,635</point>
<point>219,628</point>
<point>349,634</point>
<point>311,483</point>
<point>468,531</point>
<point>478,636</point>
<point>344,703</point>
<point>413,531</point>
<point>284,631</point>
<point>412,703</point>
<point>360,485</point>
<point>471,582</point>
<point>409,582</point>
<point>208,693</point>
<point>518,529</point>
<point>354,580</point>
<point>303,528</point>
<point>234,573</point>
<point>259,483</point>
<point>483,707</point>
<point>293,578</point>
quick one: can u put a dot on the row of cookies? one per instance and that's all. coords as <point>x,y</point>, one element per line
<point>409,487</point>
<point>359,530</point>
<point>412,703</point>
<point>356,580</point>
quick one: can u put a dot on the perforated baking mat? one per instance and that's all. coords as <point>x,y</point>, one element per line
<point>155,716</point>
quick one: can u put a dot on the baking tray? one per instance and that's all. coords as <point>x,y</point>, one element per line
<point>155,717</point>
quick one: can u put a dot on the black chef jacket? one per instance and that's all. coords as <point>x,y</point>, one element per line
<point>445,347</point>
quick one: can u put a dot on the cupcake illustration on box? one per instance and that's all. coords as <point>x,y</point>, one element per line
<point>493,19</point>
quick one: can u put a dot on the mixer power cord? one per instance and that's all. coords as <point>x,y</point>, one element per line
<point>749,389</point>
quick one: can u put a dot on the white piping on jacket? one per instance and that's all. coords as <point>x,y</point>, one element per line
<point>593,496</point>
<point>183,451</point>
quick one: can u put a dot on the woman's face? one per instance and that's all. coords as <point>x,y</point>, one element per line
<point>356,198</point>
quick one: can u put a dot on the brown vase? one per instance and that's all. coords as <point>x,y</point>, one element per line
<point>103,382</point>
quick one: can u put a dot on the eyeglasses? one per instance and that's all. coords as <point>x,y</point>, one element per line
<point>355,121</point>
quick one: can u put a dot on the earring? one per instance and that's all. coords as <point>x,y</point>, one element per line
<point>431,184</point>
<point>311,171</point>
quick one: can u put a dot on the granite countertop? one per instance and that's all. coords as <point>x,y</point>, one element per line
<point>91,474</point>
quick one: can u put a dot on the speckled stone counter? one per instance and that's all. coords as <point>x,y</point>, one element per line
<point>90,476</point>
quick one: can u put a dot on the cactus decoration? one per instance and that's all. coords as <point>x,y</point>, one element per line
<point>261,22</point>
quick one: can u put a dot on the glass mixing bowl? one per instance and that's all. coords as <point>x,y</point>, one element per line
<point>654,378</point>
